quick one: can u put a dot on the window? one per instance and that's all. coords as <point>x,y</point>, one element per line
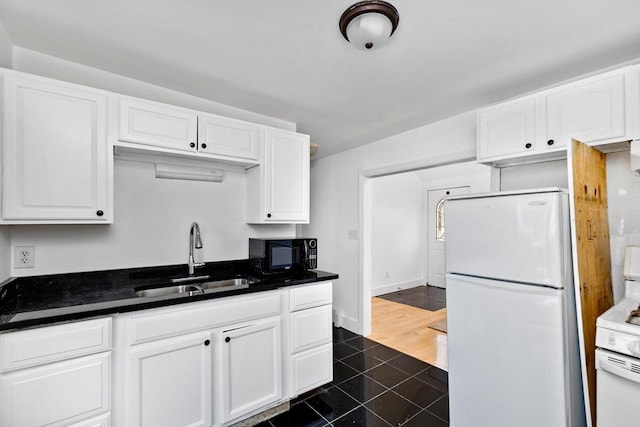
<point>440,220</point>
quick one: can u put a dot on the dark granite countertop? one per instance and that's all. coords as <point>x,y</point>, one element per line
<point>40,300</point>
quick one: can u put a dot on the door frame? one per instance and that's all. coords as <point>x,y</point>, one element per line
<point>364,220</point>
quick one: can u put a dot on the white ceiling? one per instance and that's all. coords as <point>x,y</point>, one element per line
<point>287,58</point>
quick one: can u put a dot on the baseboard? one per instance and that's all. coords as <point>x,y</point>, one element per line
<point>397,287</point>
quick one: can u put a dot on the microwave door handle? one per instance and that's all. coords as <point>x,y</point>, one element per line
<point>306,251</point>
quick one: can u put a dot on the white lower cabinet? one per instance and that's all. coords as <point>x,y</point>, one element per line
<point>57,376</point>
<point>170,382</point>
<point>310,337</point>
<point>251,367</point>
<point>218,362</point>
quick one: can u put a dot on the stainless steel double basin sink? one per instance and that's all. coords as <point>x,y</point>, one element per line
<point>195,285</point>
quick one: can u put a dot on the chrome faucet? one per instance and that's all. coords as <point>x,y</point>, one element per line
<point>195,242</point>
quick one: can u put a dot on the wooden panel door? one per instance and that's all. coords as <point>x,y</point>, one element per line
<point>170,382</point>
<point>56,158</point>
<point>591,252</point>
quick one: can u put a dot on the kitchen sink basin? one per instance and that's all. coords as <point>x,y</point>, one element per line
<point>197,288</point>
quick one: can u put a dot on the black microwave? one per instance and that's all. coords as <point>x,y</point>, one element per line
<point>281,255</point>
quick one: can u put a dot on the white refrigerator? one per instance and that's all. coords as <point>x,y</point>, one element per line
<point>512,336</point>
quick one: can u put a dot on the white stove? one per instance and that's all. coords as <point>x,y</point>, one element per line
<point>618,353</point>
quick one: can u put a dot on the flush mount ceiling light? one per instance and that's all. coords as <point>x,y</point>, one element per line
<point>369,24</point>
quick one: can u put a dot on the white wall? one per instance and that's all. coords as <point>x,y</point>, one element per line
<point>151,226</point>
<point>536,175</point>
<point>623,192</point>
<point>6,49</point>
<point>56,68</point>
<point>6,61</point>
<point>335,195</point>
<point>397,240</point>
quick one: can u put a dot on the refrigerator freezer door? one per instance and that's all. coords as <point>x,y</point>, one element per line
<point>518,238</point>
<point>507,355</point>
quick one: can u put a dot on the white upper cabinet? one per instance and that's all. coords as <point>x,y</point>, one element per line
<point>151,123</point>
<point>507,129</point>
<point>174,128</point>
<point>598,110</point>
<point>589,111</point>
<point>56,157</point>
<point>227,137</point>
<point>278,189</point>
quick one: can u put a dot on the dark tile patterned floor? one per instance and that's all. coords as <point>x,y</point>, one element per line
<point>373,385</point>
<point>427,297</point>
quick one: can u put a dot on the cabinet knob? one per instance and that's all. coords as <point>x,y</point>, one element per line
<point>99,213</point>
<point>550,142</point>
<point>192,145</point>
<point>203,145</point>
<point>207,342</point>
<point>268,215</point>
<point>527,145</point>
<point>227,339</point>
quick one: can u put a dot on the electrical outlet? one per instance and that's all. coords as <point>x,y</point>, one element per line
<point>25,257</point>
<point>352,234</point>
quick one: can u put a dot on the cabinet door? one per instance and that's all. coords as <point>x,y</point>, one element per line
<point>589,111</point>
<point>506,129</point>
<point>170,382</point>
<point>311,369</point>
<point>151,123</point>
<point>251,367</point>
<point>57,394</point>
<point>286,169</point>
<point>227,137</point>
<point>56,158</point>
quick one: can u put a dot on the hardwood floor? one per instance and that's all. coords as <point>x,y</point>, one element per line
<point>404,328</point>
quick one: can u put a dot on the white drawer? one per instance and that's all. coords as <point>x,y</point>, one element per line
<point>58,394</point>
<point>149,325</point>
<point>308,296</point>
<point>310,328</point>
<point>52,343</point>
<point>312,369</point>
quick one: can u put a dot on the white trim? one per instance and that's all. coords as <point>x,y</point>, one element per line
<point>363,324</point>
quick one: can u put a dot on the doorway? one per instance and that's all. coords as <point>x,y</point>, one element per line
<point>460,178</point>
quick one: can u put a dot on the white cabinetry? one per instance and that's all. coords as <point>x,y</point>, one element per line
<point>589,111</point>
<point>278,189</point>
<point>200,364</point>
<point>57,375</point>
<point>56,157</point>
<point>507,129</point>
<point>171,381</point>
<point>310,337</point>
<point>182,130</point>
<point>156,124</point>
<point>598,110</point>
<point>251,367</point>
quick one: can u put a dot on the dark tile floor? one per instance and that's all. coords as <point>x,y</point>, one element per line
<point>427,297</point>
<point>373,385</point>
